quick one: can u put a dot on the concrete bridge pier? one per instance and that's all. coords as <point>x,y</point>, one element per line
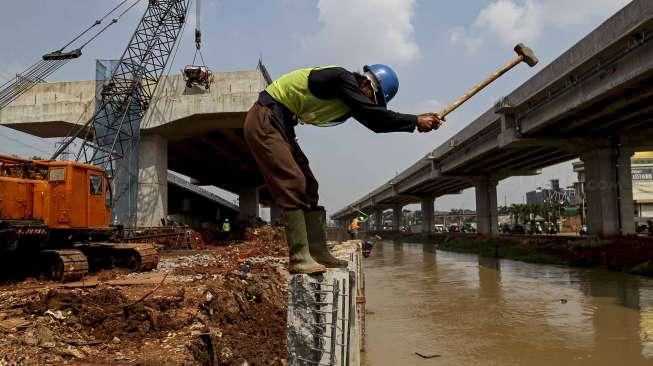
<point>152,180</point>
<point>486,206</point>
<point>378,220</point>
<point>428,208</point>
<point>397,217</point>
<point>275,214</point>
<point>248,203</point>
<point>609,191</point>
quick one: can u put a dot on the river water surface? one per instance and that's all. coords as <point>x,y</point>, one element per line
<point>475,311</point>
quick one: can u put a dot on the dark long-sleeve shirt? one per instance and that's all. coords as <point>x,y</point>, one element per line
<point>337,82</point>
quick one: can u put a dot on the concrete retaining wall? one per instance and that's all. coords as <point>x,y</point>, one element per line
<point>326,313</point>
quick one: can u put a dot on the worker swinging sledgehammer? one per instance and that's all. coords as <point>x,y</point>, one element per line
<point>319,96</point>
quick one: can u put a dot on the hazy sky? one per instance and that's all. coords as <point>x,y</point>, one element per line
<point>439,48</point>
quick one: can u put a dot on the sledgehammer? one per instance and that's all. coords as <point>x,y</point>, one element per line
<point>524,54</point>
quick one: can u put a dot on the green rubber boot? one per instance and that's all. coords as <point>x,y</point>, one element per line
<point>316,229</point>
<point>301,261</point>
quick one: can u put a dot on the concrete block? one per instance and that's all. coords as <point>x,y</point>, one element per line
<point>324,326</point>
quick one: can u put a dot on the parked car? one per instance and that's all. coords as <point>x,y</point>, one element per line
<point>583,230</point>
<point>506,228</point>
<point>519,229</point>
<point>536,229</point>
<point>641,229</point>
<point>454,228</point>
<point>439,228</point>
<point>469,228</point>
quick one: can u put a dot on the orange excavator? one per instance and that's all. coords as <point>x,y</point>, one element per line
<point>55,215</point>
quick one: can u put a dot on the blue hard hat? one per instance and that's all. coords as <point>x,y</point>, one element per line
<point>387,81</point>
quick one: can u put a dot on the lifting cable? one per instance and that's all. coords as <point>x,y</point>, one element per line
<point>198,34</point>
<point>113,21</point>
<point>198,51</point>
<point>96,23</point>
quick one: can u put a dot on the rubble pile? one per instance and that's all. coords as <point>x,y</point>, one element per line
<point>170,237</point>
<point>231,312</point>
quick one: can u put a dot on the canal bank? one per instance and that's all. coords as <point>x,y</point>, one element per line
<point>463,309</point>
<point>632,254</point>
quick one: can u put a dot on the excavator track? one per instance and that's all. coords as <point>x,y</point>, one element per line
<point>138,257</point>
<point>65,264</point>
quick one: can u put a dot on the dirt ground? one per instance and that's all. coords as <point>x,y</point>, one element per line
<point>222,305</point>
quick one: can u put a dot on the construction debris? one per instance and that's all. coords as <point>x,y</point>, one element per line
<point>224,305</point>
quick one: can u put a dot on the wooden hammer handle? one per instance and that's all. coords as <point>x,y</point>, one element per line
<point>480,86</point>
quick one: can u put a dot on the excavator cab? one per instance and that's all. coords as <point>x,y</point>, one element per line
<point>198,75</point>
<point>58,194</point>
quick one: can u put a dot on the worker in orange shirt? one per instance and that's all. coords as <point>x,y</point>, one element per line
<point>355,226</point>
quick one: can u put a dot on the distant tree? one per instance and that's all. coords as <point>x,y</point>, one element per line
<point>503,210</point>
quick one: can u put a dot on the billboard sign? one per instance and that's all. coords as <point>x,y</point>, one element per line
<point>642,173</point>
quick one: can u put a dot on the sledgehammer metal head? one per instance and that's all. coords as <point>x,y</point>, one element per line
<point>524,54</point>
<point>527,54</point>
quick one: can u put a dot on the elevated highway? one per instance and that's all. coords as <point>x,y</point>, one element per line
<point>594,102</point>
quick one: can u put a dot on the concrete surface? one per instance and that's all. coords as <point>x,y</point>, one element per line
<point>152,181</point>
<point>52,109</point>
<point>248,199</point>
<point>326,313</point>
<point>609,192</point>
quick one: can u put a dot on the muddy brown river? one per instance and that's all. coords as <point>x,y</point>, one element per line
<point>466,310</point>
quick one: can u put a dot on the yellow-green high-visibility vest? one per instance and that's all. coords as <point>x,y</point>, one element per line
<point>292,91</point>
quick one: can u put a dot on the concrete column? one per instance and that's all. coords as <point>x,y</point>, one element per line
<point>378,220</point>
<point>609,192</point>
<point>397,217</point>
<point>248,203</point>
<point>152,181</point>
<point>275,214</point>
<point>486,206</point>
<point>428,206</point>
<point>367,226</point>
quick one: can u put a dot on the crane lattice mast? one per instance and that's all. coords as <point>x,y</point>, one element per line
<point>126,96</point>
